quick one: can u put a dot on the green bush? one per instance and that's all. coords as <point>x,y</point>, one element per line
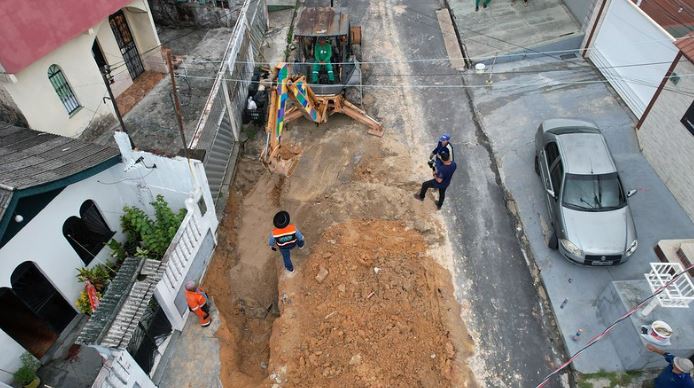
<point>27,372</point>
<point>146,237</point>
<point>99,275</point>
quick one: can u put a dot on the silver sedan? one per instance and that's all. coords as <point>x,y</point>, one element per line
<point>591,222</point>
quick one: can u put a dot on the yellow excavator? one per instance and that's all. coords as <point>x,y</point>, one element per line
<point>290,94</point>
<point>290,98</point>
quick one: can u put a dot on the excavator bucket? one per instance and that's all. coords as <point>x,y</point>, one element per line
<point>284,160</point>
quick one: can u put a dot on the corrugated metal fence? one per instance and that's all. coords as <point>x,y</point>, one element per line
<point>218,128</point>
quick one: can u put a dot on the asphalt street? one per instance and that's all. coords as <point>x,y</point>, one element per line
<point>516,346</point>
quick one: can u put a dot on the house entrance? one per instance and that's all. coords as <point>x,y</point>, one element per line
<point>126,43</point>
<point>35,312</point>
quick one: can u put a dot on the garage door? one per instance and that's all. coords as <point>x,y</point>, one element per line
<point>632,52</point>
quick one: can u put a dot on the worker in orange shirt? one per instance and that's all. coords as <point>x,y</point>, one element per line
<point>285,236</point>
<point>197,303</point>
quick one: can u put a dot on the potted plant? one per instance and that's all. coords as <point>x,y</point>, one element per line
<point>26,374</point>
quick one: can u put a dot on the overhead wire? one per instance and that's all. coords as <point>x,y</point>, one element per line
<point>461,86</point>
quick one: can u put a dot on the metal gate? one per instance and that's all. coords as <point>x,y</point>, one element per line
<point>632,52</point>
<point>126,43</point>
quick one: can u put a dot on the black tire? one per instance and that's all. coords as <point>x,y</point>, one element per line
<point>553,242</point>
<point>537,166</point>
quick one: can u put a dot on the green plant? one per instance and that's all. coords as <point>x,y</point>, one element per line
<point>146,237</point>
<point>614,379</point>
<point>99,275</point>
<point>27,372</point>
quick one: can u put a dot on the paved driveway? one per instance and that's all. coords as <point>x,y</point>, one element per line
<point>511,109</point>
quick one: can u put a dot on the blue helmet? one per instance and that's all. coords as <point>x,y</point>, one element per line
<point>445,137</point>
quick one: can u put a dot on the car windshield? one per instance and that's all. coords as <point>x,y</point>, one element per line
<point>593,192</point>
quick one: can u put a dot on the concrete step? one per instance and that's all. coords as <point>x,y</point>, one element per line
<point>676,251</point>
<point>686,254</point>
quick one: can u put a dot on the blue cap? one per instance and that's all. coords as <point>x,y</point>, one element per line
<point>445,137</point>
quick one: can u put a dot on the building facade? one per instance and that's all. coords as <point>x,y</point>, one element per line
<point>52,60</point>
<point>60,203</point>
<point>666,131</point>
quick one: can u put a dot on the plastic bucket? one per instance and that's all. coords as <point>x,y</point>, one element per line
<point>657,332</point>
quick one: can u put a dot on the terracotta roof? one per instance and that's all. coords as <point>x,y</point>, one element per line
<point>686,45</point>
<point>676,16</point>
<point>30,29</point>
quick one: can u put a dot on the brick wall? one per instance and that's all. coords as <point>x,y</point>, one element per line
<point>666,143</point>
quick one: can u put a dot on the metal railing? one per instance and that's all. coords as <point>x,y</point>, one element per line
<point>218,128</point>
<point>199,221</point>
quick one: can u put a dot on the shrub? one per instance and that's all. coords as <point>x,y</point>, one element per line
<point>27,372</point>
<point>146,237</point>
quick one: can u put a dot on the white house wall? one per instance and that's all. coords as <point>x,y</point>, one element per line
<point>147,41</point>
<point>35,97</point>
<point>666,143</point>
<point>42,241</point>
<point>142,26</point>
<point>113,56</point>
<point>626,39</point>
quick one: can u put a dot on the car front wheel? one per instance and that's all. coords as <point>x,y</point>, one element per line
<point>553,242</point>
<point>537,166</point>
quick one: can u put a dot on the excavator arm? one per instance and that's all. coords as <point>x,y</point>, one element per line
<point>303,103</point>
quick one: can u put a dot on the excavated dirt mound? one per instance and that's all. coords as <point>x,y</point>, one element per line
<point>383,316</point>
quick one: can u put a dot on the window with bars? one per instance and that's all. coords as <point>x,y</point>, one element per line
<point>63,89</point>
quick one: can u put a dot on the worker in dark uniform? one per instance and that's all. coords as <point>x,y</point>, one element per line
<point>285,236</point>
<point>676,374</point>
<point>444,142</point>
<point>196,298</point>
<point>443,171</point>
<point>322,53</point>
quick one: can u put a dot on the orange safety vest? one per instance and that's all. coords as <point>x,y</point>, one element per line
<point>196,299</point>
<point>285,237</point>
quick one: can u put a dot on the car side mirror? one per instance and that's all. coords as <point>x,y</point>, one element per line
<point>630,193</point>
<point>551,192</point>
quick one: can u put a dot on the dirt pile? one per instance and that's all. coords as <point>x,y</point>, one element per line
<point>383,315</point>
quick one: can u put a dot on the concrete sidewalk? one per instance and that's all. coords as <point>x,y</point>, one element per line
<point>192,360</point>
<point>510,111</point>
<point>506,26</point>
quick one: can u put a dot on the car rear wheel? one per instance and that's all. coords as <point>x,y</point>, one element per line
<point>553,242</point>
<point>537,166</point>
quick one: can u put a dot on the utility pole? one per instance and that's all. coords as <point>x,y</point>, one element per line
<point>113,100</point>
<point>177,103</point>
<point>179,116</point>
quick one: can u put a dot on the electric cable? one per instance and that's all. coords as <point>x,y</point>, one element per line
<point>609,328</point>
<point>476,86</point>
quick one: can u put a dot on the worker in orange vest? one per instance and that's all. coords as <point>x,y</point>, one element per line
<point>285,236</point>
<point>197,303</point>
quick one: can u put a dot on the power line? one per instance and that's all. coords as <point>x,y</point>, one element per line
<point>609,328</point>
<point>477,86</point>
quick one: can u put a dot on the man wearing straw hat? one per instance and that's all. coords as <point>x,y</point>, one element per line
<point>676,374</point>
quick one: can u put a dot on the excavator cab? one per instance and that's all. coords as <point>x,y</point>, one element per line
<point>333,25</point>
